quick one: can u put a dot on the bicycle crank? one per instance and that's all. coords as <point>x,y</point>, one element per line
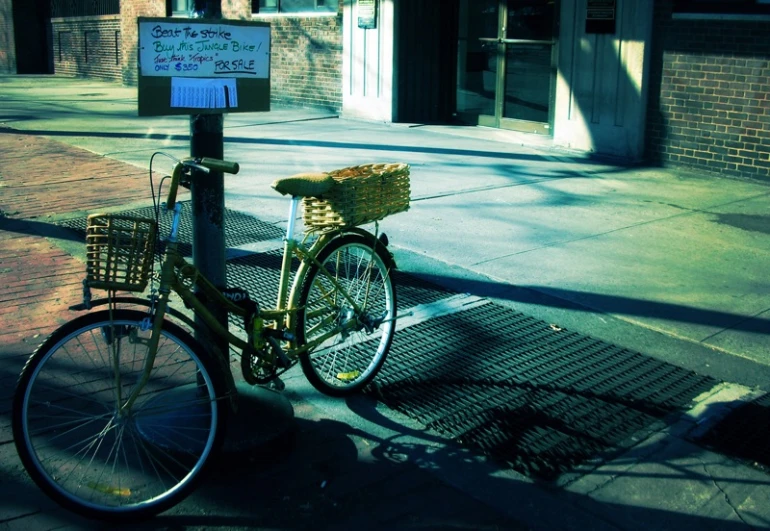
<point>261,366</point>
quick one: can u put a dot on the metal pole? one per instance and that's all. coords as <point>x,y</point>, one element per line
<point>208,191</point>
<point>262,415</point>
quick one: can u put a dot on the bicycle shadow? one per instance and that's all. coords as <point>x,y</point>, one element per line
<point>383,472</point>
<point>331,475</point>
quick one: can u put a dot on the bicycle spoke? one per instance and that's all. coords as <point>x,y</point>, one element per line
<point>96,456</point>
<point>349,339</point>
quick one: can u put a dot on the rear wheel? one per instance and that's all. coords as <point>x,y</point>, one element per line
<point>89,455</point>
<point>353,342</point>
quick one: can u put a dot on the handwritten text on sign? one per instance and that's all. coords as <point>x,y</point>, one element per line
<point>186,49</point>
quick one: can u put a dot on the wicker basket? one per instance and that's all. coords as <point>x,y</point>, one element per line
<point>119,251</point>
<point>363,194</point>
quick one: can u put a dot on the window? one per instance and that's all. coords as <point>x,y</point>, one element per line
<point>294,6</point>
<point>63,8</point>
<point>178,7</point>
<point>723,7</point>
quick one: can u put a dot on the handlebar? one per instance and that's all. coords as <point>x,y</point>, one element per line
<point>220,165</point>
<point>205,164</point>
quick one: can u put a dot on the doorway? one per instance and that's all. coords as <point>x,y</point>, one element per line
<point>31,20</point>
<point>506,64</point>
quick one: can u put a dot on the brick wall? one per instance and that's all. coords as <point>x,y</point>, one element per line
<point>87,46</point>
<point>236,9</point>
<point>709,106</point>
<point>129,11</point>
<point>306,60</point>
<point>7,42</point>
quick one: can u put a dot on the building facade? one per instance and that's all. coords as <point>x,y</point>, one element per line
<point>671,82</point>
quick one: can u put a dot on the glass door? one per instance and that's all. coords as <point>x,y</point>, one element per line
<point>506,64</point>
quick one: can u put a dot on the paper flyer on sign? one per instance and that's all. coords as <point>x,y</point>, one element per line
<point>200,93</point>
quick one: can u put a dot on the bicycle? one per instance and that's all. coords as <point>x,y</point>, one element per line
<point>118,412</point>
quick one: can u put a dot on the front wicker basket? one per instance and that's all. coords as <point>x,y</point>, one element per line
<point>362,194</point>
<point>119,252</point>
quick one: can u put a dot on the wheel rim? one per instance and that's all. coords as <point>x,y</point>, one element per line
<point>350,358</point>
<point>97,457</point>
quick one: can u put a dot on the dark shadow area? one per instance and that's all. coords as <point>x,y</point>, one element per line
<point>325,474</point>
<point>592,302</point>
<point>747,222</point>
<point>744,433</point>
<point>31,18</point>
<point>313,143</point>
<point>39,228</point>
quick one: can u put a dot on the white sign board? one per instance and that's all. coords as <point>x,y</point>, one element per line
<point>185,48</point>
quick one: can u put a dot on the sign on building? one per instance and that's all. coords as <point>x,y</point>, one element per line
<point>197,66</point>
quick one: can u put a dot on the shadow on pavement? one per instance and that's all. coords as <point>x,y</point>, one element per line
<point>590,302</point>
<point>39,228</point>
<point>305,143</point>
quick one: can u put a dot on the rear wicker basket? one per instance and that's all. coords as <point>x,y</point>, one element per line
<point>119,251</point>
<point>363,194</point>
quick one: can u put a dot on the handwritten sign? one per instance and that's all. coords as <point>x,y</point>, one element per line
<point>367,14</point>
<point>199,66</point>
<point>186,48</point>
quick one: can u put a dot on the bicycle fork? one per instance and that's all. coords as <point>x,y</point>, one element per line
<point>157,314</point>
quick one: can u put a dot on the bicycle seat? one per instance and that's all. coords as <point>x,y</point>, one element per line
<point>304,184</point>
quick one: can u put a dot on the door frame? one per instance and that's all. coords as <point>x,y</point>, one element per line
<point>498,120</point>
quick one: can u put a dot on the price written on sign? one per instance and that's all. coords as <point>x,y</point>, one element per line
<point>186,49</point>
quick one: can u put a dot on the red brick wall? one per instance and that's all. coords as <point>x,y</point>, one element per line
<point>87,46</point>
<point>236,9</point>
<point>306,60</point>
<point>709,104</point>
<point>129,29</point>
<point>7,43</point>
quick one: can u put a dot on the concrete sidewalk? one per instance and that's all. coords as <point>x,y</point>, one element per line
<point>665,263</point>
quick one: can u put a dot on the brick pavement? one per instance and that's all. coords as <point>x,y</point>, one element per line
<point>42,181</point>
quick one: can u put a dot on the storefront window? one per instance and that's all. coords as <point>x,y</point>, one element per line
<point>178,7</point>
<point>63,8</point>
<point>294,6</point>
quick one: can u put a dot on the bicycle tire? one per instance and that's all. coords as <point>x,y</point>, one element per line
<point>97,463</point>
<point>345,363</point>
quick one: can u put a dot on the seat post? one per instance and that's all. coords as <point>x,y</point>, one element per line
<point>292,223</point>
<point>288,252</point>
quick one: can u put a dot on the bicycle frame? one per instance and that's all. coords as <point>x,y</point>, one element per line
<point>181,277</point>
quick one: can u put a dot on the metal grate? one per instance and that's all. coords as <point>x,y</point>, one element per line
<point>259,274</point>
<point>539,398</point>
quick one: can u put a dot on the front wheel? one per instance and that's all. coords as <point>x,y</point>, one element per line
<point>102,460</point>
<point>353,339</point>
